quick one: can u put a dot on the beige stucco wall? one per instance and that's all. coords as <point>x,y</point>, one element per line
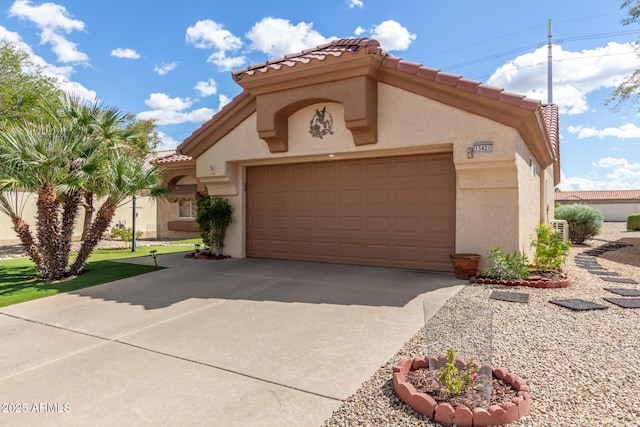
<point>498,201</point>
<point>145,221</point>
<point>168,211</point>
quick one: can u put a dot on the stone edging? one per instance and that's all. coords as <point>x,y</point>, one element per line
<point>462,416</point>
<point>533,282</point>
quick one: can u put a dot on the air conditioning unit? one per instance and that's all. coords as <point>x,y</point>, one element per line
<point>562,226</point>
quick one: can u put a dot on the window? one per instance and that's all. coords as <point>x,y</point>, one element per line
<point>187,208</point>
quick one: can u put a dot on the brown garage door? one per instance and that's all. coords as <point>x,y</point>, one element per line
<point>392,211</point>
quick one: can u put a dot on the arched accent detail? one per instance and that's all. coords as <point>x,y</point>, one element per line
<point>359,95</point>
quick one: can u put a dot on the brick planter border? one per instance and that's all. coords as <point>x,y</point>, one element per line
<point>444,413</point>
<point>532,282</point>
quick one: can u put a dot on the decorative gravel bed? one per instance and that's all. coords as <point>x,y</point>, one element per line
<point>583,367</point>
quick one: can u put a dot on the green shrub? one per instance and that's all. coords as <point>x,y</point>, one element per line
<point>551,250</point>
<point>584,222</point>
<point>213,217</point>
<point>633,222</point>
<point>507,266</point>
<point>125,234</point>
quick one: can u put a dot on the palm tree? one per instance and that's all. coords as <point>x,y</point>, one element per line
<point>124,176</point>
<point>42,158</point>
<point>81,152</point>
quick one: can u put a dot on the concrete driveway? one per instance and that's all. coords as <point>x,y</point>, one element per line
<point>230,342</point>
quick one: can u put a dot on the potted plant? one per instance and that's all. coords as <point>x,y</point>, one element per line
<point>465,265</point>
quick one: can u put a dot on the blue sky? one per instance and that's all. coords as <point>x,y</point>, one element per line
<point>172,60</point>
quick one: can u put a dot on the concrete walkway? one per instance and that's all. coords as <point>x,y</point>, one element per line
<point>231,342</point>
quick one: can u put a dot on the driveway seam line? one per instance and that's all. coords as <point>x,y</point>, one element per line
<point>185,359</point>
<point>231,371</point>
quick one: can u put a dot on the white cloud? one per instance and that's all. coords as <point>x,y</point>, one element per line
<point>77,89</point>
<point>627,130</point>
<point>12,37</point>
<point>613,162</point>
<point>222,101</point>
<point>277,37</point>
<point>226,63</point>
<point>53,21</point>
<point>165,68</point>
<point>619,174</point>
<point>125,53</point>
<point>167,142</point>
<point>356,3</point>
<point>207,88</point>
<point>162,101</point>
<point>200,115</point>
<point>359,30</point>
<point>392,35</point>
<point>575,74</point>
<point>170,111</point>
<point>208,34</point>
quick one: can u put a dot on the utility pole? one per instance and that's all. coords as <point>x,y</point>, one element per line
<point>550,68</point>
<point>133,225</point>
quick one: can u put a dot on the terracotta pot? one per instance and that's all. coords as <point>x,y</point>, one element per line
<point>465,265</point>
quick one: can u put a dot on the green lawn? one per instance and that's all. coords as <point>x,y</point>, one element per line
<point>19,283</point>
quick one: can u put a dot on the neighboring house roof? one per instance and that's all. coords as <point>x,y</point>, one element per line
<point>597,196</point>
<point>169,156</point>
<point>527,115</point>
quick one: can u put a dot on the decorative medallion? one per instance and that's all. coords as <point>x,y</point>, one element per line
<point>321,124</point>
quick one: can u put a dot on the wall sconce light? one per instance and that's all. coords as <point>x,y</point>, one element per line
<point>154,255</point>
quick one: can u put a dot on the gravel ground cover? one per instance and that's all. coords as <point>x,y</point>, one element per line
<point>583,367</point>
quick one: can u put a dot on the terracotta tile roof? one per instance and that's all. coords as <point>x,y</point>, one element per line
<point>586,196</point>
<point>169,156</point>
<point>342,46</point>
<point>551,116</point>
<point>335,48</point>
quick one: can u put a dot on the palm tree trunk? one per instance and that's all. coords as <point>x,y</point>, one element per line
<point>88,213</point>
<point>48,230</point>
<point>72,201</point>
<point>96,232</point>
<point>28,242</point>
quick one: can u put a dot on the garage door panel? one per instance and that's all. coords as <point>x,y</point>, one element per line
<point>378,224</point>
<point>397,211</point>
<point>377,196</point>
<point>351,223</point>
<point>351,196</point>
<point>407,224</point>
<point>325,197</point>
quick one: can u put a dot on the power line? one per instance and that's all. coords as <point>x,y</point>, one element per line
<point>537,45</point>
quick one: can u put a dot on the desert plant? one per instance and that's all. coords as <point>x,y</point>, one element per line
<point>633,222</point>
<point>551,249</point>
<point>584,222</point>
<point>507,266</point>
<point>213,217</point>
<point>125,234</point>
<point>450,376</point>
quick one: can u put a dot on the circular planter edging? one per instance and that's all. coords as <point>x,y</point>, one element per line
<point>445,413</point>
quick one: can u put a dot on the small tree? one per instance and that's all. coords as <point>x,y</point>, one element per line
<point>584,222</point>
<point>214,216</point>
<point>633,222</point>
<point>125,234</point>
<point>551,250</point>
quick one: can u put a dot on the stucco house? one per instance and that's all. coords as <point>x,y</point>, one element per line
<point>615,205</point>
<point>344,153</point>
<point>176,215</point>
